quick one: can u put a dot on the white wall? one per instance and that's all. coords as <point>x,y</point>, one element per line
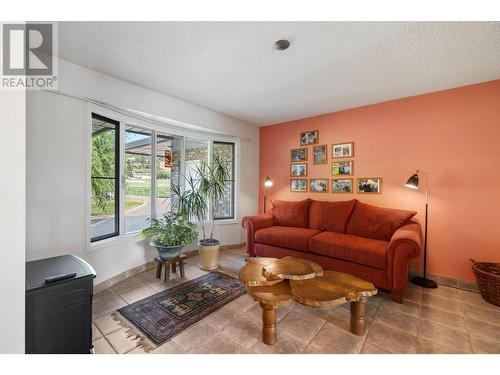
<point>56,166</point>
<point>12,220</point>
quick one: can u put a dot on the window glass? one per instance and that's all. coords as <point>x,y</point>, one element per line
<point>104,178</point>
<point>225,207</point>
<point>137,178</point>
<point>168,162</point>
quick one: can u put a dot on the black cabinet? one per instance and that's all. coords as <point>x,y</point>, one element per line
<point>59,305</point>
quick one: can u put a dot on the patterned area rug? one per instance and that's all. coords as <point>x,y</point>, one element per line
<point>165,314</point>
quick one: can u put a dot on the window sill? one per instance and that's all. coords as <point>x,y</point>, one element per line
<point>226,221</point>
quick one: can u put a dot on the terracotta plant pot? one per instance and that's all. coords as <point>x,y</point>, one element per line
<point>209,255</point>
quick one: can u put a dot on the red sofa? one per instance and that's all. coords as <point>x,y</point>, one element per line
<point>370,242</point>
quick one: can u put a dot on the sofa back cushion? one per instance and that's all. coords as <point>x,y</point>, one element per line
<point>376,222</point>
<point>330,216</point>
<point>291,214</point>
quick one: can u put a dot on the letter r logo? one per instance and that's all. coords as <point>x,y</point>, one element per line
<point>27,49</point>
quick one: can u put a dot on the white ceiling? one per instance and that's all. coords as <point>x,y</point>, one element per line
<point>231,67</point>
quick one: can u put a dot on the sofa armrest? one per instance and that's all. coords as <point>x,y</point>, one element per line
<point>405,244</point>
<point>252,224</point>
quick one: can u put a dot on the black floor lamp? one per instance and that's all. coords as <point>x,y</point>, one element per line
<point>412,183</point>
<point>267,184</point>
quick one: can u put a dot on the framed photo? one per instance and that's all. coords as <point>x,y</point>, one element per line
<point>370,185</point>
<point>298,170</point>
<point>342,185</point>
<point>309,138</point>
<point>343,168</point>
<point>343,150</point>
<point>318,185</point>
<point>298,185</point>
<point>298,154</point>
<point>320,154</point>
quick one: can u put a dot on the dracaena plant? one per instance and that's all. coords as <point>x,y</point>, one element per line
<point>204,190</point>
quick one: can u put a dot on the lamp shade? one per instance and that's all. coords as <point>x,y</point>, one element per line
<point>412,182</point>
<point>268,182</point>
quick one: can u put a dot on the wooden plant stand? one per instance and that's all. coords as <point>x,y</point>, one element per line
<point>278,282</point>
<point>167,263</point>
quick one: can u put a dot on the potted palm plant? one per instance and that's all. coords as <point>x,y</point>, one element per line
<point>205,189</point>
<point>170,234</point>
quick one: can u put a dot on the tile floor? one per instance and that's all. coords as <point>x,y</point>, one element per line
<point>443,320</point>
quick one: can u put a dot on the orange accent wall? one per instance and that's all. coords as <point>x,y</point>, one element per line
<point>453,135</point>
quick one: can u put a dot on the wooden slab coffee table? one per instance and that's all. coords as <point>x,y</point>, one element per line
<point>278,282</point>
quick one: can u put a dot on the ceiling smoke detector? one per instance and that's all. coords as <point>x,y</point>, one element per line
<point>282,44</point>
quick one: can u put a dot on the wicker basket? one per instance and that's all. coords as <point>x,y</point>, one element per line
<point>488,280</point>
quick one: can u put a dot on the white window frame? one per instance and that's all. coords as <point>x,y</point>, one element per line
<point>127,120</point>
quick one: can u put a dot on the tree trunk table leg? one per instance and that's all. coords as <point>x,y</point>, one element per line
<point>181,267</point>
<point>158,270</point>
<point>358,310</point>
<point>269,315</point>
<point>174,268</point>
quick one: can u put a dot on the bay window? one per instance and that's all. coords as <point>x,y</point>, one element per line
<point>128,185</point>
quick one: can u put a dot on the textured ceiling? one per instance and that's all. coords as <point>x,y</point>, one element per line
<point>231,67</point>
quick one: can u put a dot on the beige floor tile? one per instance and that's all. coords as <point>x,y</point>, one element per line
<point>428,347</point>
<point>446,318</point>
<point>243,303</point>
<point>475,299</point>
<point>483,346</point>
<point>95,332</point>
<point>285,344</point>
<point>331,339</point>
<point>322,312</point>
<point>103,306</point>
<point>444,335</point>
<point>220,318</point>
<point>194,335</point>
<point>484,329</point>
<point>169,347</point>
<point>369,348</point>
<point>101,346</point>
<point>244,330</point>
<point>407,307</point>
<point>106,324</point>
<point>391,339</point>
<point>138,350</point>
<point>137,294</point>
<point>446,304</point>
<point>413,295</point>
<point>479,313</point>
<point>300,325</point>
<point>443,291</point>
<point>127,284</point>
<point>120,342</point>
<point>399,320</point>
<point>219,344</point>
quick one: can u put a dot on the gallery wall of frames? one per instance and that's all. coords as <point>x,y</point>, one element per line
<point>342,178</point>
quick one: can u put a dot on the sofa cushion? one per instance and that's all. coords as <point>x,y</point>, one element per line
<point>289,237</point>
<point>331,216</point>
<point>291,214</point>
<point>376,222</point>
<point>351,248</point>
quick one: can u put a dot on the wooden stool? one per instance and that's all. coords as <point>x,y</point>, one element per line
<point>167,262</point>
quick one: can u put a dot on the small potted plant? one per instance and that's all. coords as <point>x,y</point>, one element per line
<point>170,234</point>
<point>205,189</point>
